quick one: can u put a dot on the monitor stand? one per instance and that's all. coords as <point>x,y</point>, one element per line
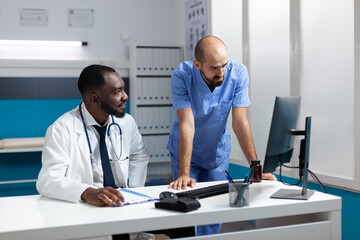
<point>296,194</point>
<point>304,193</point>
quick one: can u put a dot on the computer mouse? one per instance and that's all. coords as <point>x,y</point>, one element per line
<point>167,194</point>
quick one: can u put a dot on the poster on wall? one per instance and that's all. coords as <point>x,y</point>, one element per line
<point>33,17</point>
<point>196,24</point>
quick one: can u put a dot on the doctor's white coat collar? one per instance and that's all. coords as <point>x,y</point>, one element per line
<point>90,120</point>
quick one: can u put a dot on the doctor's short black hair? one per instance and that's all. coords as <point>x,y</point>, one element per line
<point>92,77</point>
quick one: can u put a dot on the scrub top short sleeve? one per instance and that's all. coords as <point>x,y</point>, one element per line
<point>241,95</point>
<point>179,90</point>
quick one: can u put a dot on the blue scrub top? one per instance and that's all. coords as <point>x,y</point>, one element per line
<point>212,144</point>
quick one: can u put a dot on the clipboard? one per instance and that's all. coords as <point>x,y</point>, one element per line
<point>133,197</point>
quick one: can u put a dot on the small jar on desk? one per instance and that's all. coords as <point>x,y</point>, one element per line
<point>256,172</point>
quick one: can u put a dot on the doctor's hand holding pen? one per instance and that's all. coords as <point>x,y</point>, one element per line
<point>102,197</point>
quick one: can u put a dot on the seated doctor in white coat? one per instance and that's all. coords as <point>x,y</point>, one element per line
<point>72,166</point>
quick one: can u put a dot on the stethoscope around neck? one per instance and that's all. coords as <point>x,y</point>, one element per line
<point>92,158</point>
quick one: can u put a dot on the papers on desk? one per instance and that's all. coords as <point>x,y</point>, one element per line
<point>133,197</point>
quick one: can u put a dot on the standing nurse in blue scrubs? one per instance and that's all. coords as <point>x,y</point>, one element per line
<point>204,91</point>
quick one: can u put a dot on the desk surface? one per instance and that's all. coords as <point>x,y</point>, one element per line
<point>36,217</point>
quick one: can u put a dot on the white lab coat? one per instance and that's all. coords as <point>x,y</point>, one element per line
<point>66,167</point>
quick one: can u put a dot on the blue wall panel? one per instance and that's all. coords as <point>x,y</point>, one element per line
<point>27,118</point>
<point>31,117</point>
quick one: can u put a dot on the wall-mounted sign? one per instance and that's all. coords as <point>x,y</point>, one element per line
<point>33,17</point>
<point>81,18</point>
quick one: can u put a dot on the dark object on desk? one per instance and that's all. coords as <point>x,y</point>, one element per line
<point>167,194</point>
<point>281,145</point>
<point>256,172</point>
<point>205,191</point>
<point>184,204</point>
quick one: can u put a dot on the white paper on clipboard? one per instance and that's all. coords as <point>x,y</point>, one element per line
<point>133,197</point>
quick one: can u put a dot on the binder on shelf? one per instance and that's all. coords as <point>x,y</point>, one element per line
<point>139,120</point>
<point>156,147</point>
<point>141,61</point>
<point>158,64</point>
<point>149,61</point>
<point>145,87</point>
<point>140,92</point>
<point>167,62</point>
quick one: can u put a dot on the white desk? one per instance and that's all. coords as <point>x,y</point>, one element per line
<point>35,217</point>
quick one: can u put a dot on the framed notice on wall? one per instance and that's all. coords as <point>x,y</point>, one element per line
<point>81,18</point>
<point>196,24</point>
<point>33,17</point>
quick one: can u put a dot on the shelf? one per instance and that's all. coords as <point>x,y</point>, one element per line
<point>150,87</point>
<point>154,76</point>
<point>19,150</point>
<point>154,105</point>
<point>18,181</point>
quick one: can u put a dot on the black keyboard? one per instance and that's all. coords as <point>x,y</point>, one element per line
<point>205,191</point>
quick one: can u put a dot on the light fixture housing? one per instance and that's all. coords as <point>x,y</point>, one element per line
<point>43,43</point>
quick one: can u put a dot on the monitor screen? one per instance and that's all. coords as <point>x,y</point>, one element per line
<point>281,142</point>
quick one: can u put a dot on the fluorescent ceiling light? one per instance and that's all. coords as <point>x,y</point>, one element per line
<point>43,43</point>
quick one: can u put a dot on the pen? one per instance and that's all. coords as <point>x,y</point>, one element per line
<point>241,192</point>
<point>239,197</point>
<point>237,190</point>
<point>229,177</point>
<point>248,176</point>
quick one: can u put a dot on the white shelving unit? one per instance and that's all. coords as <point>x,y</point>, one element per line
<point>150,95</point>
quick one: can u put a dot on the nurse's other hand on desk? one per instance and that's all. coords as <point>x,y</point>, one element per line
<point>182,182</point>
<point>269,176</point>
<point>103,197</point>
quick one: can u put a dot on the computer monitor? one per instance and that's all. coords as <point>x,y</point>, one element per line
<point>281,144</point>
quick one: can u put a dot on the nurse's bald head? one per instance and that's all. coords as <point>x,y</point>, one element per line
<point>209,46</point>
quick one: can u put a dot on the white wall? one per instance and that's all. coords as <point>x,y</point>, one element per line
<point>269,64</point>
<point>327,88</point>
<point>300,48</point>
<point>118,24</point>
<point>226,23</point>
<point>307,48</point>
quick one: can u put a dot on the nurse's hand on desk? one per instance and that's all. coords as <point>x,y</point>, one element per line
<point>182,182</point>
<point>103,197</point>
<point>269,176</point>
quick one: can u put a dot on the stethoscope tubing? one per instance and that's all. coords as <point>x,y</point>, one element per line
<point>108,133</point>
